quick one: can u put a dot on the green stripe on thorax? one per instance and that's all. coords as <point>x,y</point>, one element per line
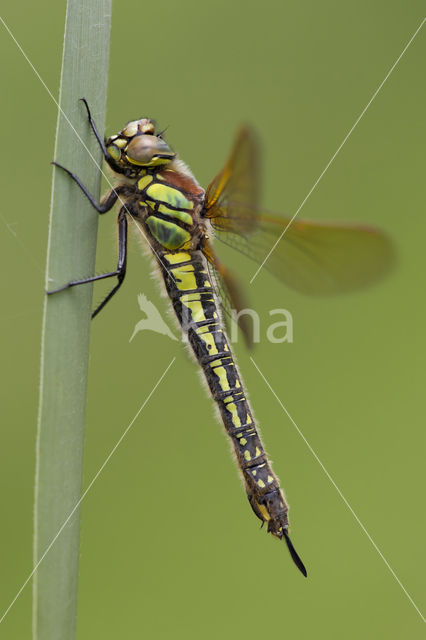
<point>170,215</point>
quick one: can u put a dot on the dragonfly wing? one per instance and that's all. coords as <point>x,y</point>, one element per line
<point>229,293</point>
<point>310,257</point>
<point>236,185</point>
<point>313,257</point>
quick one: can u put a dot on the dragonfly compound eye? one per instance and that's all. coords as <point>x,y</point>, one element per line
<point>148,150</point>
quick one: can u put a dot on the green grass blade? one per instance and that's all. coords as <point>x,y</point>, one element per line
<point>66,322</point>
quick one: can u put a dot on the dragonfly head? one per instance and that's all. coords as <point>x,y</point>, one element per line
<point>137,147</point>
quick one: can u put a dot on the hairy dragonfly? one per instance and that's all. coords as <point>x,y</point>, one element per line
<point>179,218</point>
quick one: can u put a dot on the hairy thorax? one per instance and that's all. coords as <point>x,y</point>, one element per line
<point>167,203</point>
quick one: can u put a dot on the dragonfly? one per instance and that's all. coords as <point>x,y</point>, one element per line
<point>158,192</point>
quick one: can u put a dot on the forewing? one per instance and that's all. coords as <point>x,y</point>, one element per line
<point>232,196</point>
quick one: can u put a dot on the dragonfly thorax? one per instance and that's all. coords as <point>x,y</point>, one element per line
<point>169,207</point>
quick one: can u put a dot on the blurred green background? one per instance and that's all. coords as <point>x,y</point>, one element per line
<point>169,546</point>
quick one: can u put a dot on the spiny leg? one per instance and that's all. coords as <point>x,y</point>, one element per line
<point>104,206</point>
<point>122,259</point>
<point>120,271</point>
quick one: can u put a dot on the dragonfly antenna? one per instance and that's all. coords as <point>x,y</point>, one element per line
<point>163,131</point>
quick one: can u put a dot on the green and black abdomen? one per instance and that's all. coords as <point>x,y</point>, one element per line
<point>191,292</point>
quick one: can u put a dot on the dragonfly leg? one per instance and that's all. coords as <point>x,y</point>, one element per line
<point>122,259</point>
<point>94,129</point>
<point>119,272</point>
<point>109,200</point>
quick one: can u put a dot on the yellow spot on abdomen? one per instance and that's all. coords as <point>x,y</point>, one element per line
<point>185,277</point>
<point>235,417</point>
<point>180,256</point>
<point>223,378</point>
<point>263,510</point>
<point>208,340</point>
<point>196,309</point>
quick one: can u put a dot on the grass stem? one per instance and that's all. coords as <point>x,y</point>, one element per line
<point>66,321</point>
